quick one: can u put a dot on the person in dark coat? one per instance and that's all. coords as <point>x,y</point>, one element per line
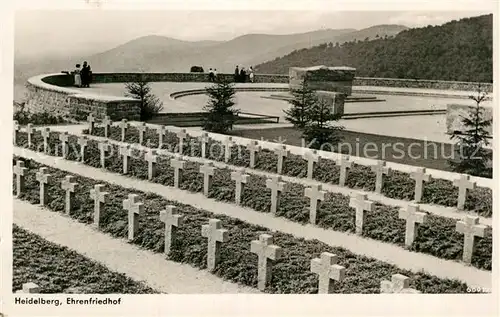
<point>236,74</point>
<point>243,75</point>
<point>85,74</point>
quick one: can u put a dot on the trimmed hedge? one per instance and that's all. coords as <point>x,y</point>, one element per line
<point>57,269</point>
<point>291,274</point>
<point>399,185</point>
<point>437,237</point>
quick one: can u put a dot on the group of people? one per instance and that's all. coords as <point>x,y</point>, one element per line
<point>212,74</point>
<point>240,75</point>
<point>83,76</point>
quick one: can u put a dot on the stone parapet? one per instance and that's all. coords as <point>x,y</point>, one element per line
<point>425,84</point>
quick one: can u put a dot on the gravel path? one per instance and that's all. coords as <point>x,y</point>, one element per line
<point>382,251</point>
<point>118,255</point>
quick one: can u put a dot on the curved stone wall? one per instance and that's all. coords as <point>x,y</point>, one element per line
<point>423,84</point>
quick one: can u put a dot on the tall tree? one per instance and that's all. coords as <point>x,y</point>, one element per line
<point>303,99</point>
<point>320,131</point>
<point>221,113</point>
<point>150,104</point>
<point>471,155</point>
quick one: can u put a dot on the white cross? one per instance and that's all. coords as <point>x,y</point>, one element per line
<point>471,229</point>
<point>43,177</point>
<point>267,253</point>
<point>328,271</point>
<point>412,215</point>
<point>463,183</point>
<point>315,194</point>
<point>64,138</point>
<point>16,131</point>
<point>99,196</point>
<point>281,152</point>
<point>204,139</point>
<point>399,284</point>
<point>311,157</point>
<point>361,204</point>
<point>134,208</point>
<point>215,234</point>
<point>161,132</point>
<point>228,144</point>
<point>344,164</point>
<point>46,136</point>
<point>126,153</point>
<point>240,178</point>
<point>124,126</point>
<point>151,157</point>
<point>107,126</point>
<point>103,148</point>
<point>379,169</point>
<point>208,171</point>
<point>91,121</point>
<point>142,129</point>
<point>19,170</point>
<point>181,135</point>
<point>30,131</point>
<point>172,221</point>
<point>68,184</point>
<point>276,186</point>
<point>82,142</point>
<point>177,164</point>
<point>419,176</point>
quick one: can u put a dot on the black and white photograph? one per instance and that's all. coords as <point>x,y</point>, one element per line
<point>241,151</point>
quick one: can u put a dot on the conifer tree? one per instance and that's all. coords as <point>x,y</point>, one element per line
<point>319,131</point>
<point>150,104</point>
<point>221,113</point>
<point>471,156</point>
<point>303,99</point>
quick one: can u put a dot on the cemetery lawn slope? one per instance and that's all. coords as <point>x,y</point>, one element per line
<point>57,269</point>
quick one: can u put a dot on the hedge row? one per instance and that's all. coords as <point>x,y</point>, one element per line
<point>437,237</point>
<point>399,185</point>
<point>57,269</point>
<point>291,274</point>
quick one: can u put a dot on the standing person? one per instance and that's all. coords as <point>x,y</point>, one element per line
<point>210,75</point>
<point>215,74</point>
<point>236,74</point>
<point>77,76</point>
<point>251,74</point>
<point>243,75</point>
<point>90,76</point>
<point>85,74</point>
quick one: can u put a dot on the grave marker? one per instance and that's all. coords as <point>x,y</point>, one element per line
<point>91,121</point>
<point>64,138</point>
<point>419,176</point>
<point>103,148</point>
<point>315,194</point>
<point>281,152</point>
<point>204,139</point>
<point>46,136</point>
<point>311,157</point>
<point>134,208</point>
<point>19,170</point>
<point>107,126</point>
<point>82,142</point>
<point>208,171</point>
<point>172,220</point>
<point>99,196</point>
<point>267,253</point>
<point>228,144</point>
<point>216,235</point>
<point>413,216</point>
<point>253,148</point>
<point>178,165</point>
<point>471,229</point>
<point>124,125</point>
<point>328,271</point>
<point>399,284</point>
<point>161,132</point>
<point>276,186</point>
<point>240,179</point>
<point>126,153</point>
<point>44,178</point>
<point>141,128</point>
<point>380,170</point>
<point>361,204</point>
<point>463,183</point>
<point>68,184</point>
<point>30,131</point>
<point>29,288</point>
<point>17,128</point>
<point>344,164</point>
<point>181,135</point>
<point>151,157</point>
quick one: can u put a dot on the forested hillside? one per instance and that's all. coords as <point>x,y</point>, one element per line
<point>458,50</point>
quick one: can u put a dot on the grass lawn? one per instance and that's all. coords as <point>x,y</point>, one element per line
<point>394,149</point>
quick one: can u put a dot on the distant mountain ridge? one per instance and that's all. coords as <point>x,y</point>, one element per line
<point>458,50</point>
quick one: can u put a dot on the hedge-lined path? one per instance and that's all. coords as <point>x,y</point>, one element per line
<point>378,250</point>
<point>448,212</point>
<point>118,255</point>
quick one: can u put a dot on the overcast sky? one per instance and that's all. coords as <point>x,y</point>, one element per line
<point>39,32</point>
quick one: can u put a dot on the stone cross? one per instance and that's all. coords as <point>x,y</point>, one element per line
<point>82,142</point>
<point>181,135</point>
<point>134,208</point>
<point>29,288</point>
<point>253,148</point>
<point>16,131</point>
<point>68,185</point>
<point>208,171</point>
<point>419,176</point>
<point>161,132</point>
<point>240,178</point>
<point>204,138</point>
<point>99,196</point>
<point>107,126</point>
<point>215,235</point>
<point>361,204</point>
<point>315,194</point>
<point>46,135</point>
<point>91,121</point>
<point>228,144</point>
<point>311,157</point>
<point>124,126</point>
<point>463,183</point>
<point>471,229</point>
<point>172,220</point>
<point>178,165</point>
<point>328,271</point>
<point>282,152</point>
<point>151,157</point>
<point>30,131</point>
<point>413,216</point>
<point>142,129</point>
<point>399,284</point>
<point>103,148</point>
<point>19,170</point>
<point>267,253</point>
<point>43,177</point>
<point>380,169</point>
<point>344,164</point>
<point>64,138</point>
<point>126,153</point>
<point>276,186</point>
